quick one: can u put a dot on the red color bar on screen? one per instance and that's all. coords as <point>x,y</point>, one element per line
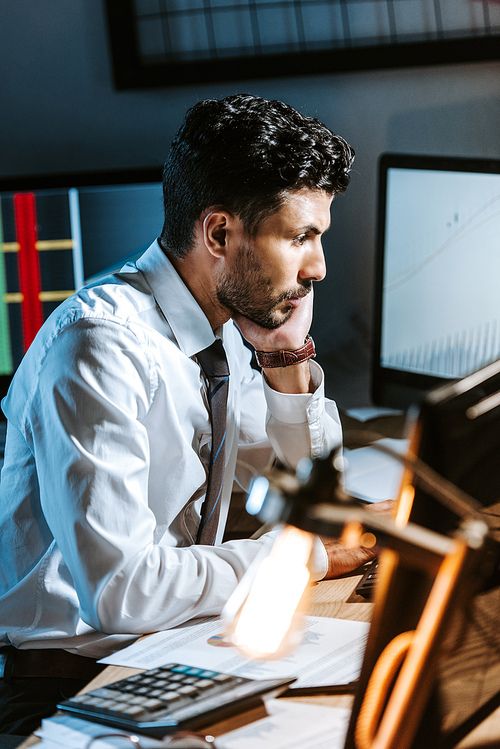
<point>29,269</point>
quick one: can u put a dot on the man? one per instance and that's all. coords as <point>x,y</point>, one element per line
<point>109,431</point>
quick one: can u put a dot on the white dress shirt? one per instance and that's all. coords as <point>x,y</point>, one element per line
<point>108,442</point>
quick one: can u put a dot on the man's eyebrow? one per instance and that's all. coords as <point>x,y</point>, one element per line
<point>313,228</point>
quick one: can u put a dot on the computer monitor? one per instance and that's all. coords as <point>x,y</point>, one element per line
<point>437,316</point>
<point>457,434</point>
<point>56,232</point>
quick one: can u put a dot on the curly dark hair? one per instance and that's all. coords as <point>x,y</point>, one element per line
<point>245,153</point>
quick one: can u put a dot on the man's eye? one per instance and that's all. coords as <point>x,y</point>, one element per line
<point>301,239</point>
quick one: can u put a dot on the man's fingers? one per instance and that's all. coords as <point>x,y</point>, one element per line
<point>342,560</point>
<point>386,507</point>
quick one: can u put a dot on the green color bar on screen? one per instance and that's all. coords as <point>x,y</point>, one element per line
<point>5,352</point>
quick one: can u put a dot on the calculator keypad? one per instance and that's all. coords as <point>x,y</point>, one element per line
<point>157,690</point>
<point>166,698</point>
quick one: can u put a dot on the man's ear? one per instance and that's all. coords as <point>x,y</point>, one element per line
<point>216,225</point>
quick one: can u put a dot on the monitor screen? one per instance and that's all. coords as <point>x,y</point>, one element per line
<point>57,232</point>
<point>457,434</point>
<point>437,316</point>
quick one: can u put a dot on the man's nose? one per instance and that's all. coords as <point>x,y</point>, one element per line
<point>314,265</point>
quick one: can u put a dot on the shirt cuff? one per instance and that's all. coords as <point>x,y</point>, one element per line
<point>297,408</point>
<point>318,564</point>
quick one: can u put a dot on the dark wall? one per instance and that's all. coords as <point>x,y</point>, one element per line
<point>60,113</point>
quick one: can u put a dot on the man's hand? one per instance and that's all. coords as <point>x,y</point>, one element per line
<point>289,336</point>
<point>342,560</point>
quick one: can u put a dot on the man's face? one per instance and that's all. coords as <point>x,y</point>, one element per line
<point>272,272</point>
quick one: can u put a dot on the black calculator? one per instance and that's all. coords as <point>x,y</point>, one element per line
<point>170,698</point>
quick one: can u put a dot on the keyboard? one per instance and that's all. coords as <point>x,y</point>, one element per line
<point>171,698</point>
<point>366,585</point>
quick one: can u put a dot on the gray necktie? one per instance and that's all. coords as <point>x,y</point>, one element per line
<point>214,364</point>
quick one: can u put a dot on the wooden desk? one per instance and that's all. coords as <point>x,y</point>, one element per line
<point>334,598</point>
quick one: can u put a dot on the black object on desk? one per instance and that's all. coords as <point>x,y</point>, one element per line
<point>366,585</point>
<point>175,696</point>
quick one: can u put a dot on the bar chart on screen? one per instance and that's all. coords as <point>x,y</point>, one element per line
<point>40,265</point>
<point>440,307</point>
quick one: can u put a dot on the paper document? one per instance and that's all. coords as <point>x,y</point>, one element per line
<point>288,725</point>
<point>371,474</point>
<point>367,413</point>
<point>74,733</point>
<point>331,652</point>
<point>291,725</point>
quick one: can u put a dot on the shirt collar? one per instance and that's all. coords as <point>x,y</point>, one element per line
<point>187,320</point>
